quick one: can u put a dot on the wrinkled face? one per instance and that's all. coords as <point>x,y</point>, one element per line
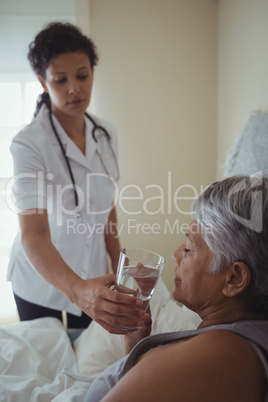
<point>195,286</point>
<point>69,79</point>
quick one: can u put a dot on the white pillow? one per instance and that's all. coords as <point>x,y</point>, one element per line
<point>96,348</point>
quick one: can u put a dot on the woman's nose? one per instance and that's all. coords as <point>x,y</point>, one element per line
<point>177,254</point>
<point>73,88</point>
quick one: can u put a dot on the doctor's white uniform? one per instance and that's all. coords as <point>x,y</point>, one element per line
<point>42,180</point>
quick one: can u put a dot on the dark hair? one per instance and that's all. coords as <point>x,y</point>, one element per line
<point>54,39</point>
<point>233,214</point>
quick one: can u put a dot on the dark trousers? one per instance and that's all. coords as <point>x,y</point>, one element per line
<point>30,311</point>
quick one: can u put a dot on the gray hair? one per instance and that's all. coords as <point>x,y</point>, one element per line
<point>233,215</point>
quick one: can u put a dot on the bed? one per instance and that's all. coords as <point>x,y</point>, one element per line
<point>38,362</point>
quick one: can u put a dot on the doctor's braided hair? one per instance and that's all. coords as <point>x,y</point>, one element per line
<point>57,38</point>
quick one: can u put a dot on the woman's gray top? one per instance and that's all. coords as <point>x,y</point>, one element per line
<point>254,331</point>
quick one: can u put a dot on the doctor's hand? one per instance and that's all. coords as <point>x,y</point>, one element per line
<point>107,307</point>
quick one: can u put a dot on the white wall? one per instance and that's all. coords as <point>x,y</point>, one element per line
<point>156,81</point>
<point>243,68</point>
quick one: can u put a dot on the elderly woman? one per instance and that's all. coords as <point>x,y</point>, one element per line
<point>221,274</point>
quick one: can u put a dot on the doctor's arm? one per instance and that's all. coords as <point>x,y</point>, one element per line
<point>93,296</point>
<point>112,238</point>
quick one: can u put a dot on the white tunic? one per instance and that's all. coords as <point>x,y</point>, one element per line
<point>42,180</point>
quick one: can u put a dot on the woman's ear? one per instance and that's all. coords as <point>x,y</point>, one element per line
<point>237,279</point>
<point>42,82</point>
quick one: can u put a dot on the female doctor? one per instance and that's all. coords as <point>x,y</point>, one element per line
<point>65,177</point>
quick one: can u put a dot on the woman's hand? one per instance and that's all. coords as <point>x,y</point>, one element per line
<point>107,307</point>
<point>132,338</point>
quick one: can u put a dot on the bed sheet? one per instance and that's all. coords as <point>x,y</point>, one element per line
<point>38,362</point>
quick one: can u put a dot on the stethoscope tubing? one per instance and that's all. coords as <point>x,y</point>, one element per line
<point>97,127</point>
<point>93,133</point>
<point>66,159</point>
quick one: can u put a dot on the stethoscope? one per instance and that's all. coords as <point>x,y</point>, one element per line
<point>93,133</point>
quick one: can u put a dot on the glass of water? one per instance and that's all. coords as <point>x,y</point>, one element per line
<point>137,274</point>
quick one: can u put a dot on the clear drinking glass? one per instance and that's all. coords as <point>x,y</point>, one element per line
<point>137,274</point>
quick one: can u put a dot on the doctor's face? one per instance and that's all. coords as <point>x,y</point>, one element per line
<point>69,79</point>
<point>195,286</point>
